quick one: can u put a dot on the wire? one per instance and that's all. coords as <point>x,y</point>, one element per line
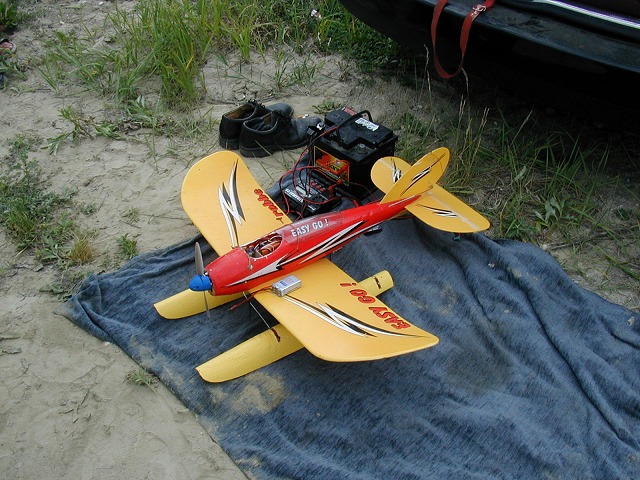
<point>302,174</point>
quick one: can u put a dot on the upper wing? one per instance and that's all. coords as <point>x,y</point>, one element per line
<point>337,320</point>
<point>226,204</point>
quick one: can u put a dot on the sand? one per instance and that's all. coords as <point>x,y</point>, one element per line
<point>67,408</point>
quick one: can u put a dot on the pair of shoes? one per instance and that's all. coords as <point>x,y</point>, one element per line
<point>7,47</point>
<point>232,122</point>
<point>273,132</point>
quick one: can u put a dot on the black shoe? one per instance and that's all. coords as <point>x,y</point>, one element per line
<point>273,132</point>
<point>231,122</point>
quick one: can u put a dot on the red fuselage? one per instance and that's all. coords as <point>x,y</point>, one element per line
<point>296,245</point>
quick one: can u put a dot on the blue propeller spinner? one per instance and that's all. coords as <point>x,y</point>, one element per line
<point>200,282</point>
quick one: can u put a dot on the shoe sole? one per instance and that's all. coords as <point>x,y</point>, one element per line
<point>229,143</point>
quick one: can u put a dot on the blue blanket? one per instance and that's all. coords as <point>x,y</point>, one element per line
<point>534,377</point>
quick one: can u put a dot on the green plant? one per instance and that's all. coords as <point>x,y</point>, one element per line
<point>338,31</point>
<point>107,129</point>
<point>9,17</point>
<point>417,136</point>
<point>33,217</point>
<point>81,251</point>
<point>305,73</point>
<point>170,41</point>
<point>128,246</point>
<point>138,111</point>
<point>140,376</point>
<point>82,127</point>
<point>66,283</point>
<point>327,105</point>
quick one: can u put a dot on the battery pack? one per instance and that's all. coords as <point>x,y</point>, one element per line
<point>348,153</point>
<point>286,285</point>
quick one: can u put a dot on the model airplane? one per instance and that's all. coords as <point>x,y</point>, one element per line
<point>282,265</point>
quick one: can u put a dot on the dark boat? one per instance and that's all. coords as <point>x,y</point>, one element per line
<point>589,49</point>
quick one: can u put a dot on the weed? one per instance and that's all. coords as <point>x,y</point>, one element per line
<point>128,246</point>
<point>10,68</point>
<point>107,129</point>
<point>68,55</point>
<point>82,127</point>
<point>170,41</point>
<point>88,208</point>
<point>27,211</point>
<point>304,73</point>
<point>35,218</point>
<point>67,282</point>
<point>20,147</point>
<point>280,75</point>
<point>326,106</point>
<point>193,126</point>
<point>140,376</point>
<point>54,238</point>
<point>81,251</point>
<point>9,17</point>
<point>417,136</point>
<point>142,114</point>
<point>340,32</point>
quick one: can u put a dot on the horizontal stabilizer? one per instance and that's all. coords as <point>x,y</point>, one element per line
<point>397,179</point>
<point>440,209</point>
<point>435,206</point>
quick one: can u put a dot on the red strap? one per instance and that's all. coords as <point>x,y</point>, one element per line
<point>464,33</point>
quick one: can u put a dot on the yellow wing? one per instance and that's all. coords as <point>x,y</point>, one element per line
<point>444,211</point>
<point>338,320</point>
<point>271,345</point>
<point>436,206</point>
<point>388,174</point>
<point>226,204</point>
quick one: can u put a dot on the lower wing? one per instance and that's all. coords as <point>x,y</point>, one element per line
<point>337,320</point>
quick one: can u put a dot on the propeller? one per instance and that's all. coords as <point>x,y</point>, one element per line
<point>201,281</point>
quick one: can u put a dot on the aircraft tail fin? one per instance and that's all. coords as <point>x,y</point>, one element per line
<point>435,206</point>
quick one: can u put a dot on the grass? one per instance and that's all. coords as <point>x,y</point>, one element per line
<point>31,215</point>
<point>548,187</point>
<point>168,42</point>
<point>9,17</point>
<point>36,218</point>
<point>140,376</point>
<point>81,251</point>
<point>128,246</point>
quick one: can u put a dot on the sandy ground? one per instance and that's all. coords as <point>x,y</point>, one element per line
<point>67,409</point>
